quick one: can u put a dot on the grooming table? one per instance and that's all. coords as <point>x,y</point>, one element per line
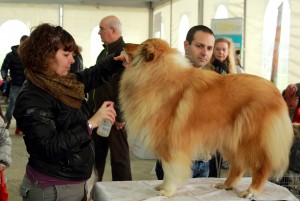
<point>194,189</point>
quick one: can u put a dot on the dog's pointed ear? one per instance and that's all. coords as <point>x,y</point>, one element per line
<point>148,52</point>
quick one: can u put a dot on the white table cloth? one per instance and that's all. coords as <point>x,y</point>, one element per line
<point>194,189</point>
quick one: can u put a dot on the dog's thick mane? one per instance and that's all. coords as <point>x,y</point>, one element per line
<point>172,74</point>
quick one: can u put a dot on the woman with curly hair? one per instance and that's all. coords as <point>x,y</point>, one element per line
<point>52,112</point>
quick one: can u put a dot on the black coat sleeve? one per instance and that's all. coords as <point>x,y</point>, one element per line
<point>100,73</point>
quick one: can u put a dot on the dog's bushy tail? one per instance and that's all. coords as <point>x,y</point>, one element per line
<point>278,142</point>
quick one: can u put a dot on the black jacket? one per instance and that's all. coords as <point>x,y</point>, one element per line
<point>220,67</point>
<point>12,62</point>
<point>110,90</point>
<point>56,135</point>
<point>77,66</point>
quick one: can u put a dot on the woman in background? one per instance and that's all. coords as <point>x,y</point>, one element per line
<point>223,58</point>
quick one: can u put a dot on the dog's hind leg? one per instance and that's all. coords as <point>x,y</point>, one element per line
<point>176,172</point>
<point>259,177</point>
<point>235,174</point>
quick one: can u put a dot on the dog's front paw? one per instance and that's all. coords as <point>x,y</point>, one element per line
<point>159,187</point>
<point>223,186</point>
<point>246,194</point>
<point>166,193</point>
<point>163,191</point>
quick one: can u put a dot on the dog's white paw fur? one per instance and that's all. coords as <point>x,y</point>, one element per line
<point>159,187</point>
<point>243,194</point>
<point>246,194</point>
<point>166,193</point>
<point>163,191</point>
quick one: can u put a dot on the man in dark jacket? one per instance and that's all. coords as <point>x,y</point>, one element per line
<point>12,71</point>
<point>110,32</point>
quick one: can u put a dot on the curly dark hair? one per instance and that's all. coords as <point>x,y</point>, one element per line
<point>38,51</point>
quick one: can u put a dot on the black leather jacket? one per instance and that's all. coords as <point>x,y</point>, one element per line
<point>56,135</point>
<point>111,88</point>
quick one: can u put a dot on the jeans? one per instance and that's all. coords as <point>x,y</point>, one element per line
<point>199,169</point>
<point>14,92</point>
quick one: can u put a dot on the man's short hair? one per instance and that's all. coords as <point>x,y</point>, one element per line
<point>194,29</point>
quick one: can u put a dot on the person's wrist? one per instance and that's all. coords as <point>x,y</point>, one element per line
<point>89,127</point>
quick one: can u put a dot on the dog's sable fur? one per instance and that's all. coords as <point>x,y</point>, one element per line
<point>180,111</point>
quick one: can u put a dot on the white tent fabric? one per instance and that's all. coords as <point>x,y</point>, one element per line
<point>79,20</point>
<point>82,22</point>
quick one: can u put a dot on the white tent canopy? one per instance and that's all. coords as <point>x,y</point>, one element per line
<point>113,3</point>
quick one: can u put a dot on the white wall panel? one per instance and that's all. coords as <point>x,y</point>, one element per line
<point>25,16</point>
<point>164,11</point>
<point>180,8</point>
<point>81,20</point>
<point>294,50</point>
<point>30,14</point>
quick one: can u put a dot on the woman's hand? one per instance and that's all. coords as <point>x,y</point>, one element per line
<point>123,57</point>
<point>106,111</point>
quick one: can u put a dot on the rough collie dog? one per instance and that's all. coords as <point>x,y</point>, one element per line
<point>181,111</point>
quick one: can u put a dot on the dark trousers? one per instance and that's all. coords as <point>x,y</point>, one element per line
<point>215,165</point>
<point>119,154</point>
